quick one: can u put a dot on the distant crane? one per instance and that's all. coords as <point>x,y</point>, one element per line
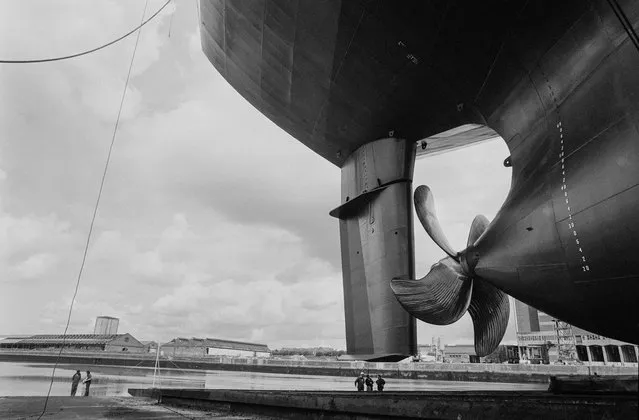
<point>156,368</point>
<point>566,344</point>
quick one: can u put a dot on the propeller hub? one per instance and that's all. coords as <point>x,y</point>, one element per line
<point>468,260</point>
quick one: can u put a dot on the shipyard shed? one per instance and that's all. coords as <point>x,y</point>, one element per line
<point>10,341</point>
<point>202,347</point>
<point>76,342</point>
<point>461,353</point>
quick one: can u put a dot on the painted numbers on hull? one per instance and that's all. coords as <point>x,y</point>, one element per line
<point>583,261</point>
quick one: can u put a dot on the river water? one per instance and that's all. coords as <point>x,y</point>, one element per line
<point>33,379</point>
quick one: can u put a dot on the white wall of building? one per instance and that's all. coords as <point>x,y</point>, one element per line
<point>214,351</point>
<point>106,325</point>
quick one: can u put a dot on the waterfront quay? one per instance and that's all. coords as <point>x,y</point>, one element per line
<point>481,372</point>
<point>484,372</point>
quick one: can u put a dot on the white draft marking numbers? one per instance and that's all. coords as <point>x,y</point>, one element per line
<point>571,225</point>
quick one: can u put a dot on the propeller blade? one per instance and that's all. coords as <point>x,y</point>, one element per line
<point>425,208</point>
<point>490,310</point>
<point>441,297</point>
<point>477,228</point>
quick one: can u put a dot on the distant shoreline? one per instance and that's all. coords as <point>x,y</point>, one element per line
<point>465,372</point>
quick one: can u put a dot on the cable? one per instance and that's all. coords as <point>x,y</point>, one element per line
<point>95,212</point>
<point>176,412</point>
<point>170,23</point>
<point>179,368</point>
<point>66,57</point>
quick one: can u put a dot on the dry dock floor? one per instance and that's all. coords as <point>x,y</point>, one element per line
<point>90,408</point>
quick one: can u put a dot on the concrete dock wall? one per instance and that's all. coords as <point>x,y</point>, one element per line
<point>402,405</point>
<point>484,372</point>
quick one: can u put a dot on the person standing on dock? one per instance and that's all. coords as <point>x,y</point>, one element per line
<point>359,382</point>
<point>75,380</point>
<point>369,383</point>
<point>87,383</point>
<point>380,383</point>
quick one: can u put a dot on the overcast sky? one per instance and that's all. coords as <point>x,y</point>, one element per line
<point>213,222</point>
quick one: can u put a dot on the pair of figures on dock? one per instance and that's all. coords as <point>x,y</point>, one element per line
<point>368,381</point>
<point>75,380</point>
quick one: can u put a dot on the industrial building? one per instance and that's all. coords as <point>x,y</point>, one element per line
<point>75,342</point>
<point>8,342</point>
<point>150,346</point>
<point>461,353</point>
<point>106,325</point>
<point>543,339</point>
<point>202,347</point>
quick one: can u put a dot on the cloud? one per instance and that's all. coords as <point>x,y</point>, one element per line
<point>233,309</point>
<point>148,264</point>
<point>31,246</point>
<point>36,265</point>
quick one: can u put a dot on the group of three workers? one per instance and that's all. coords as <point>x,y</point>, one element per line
<point>368,381</point>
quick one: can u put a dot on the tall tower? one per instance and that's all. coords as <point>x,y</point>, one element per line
<point>106,325</point>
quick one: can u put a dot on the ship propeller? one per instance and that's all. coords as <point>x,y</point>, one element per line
<point>451,287</point>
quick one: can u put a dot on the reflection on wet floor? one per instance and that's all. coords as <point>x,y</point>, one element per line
<point>33,379</point>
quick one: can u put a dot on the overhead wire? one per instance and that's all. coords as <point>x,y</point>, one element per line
<point>66,57</point>
<point>176,412</point>
<point>170,23</point>
<point>95,208</point>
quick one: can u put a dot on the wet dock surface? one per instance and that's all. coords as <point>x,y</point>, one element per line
<point>90,408</point>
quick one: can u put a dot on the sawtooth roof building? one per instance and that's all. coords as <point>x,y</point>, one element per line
<point>201,347</point>
<point>78,342</point>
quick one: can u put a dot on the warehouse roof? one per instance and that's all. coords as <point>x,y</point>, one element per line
<point>13,339</point>
<point>216,343</point>
<point>80,339</point>
<point>70,339</point>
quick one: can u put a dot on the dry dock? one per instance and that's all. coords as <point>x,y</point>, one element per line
<point>94,408</point>
<point>402,405</point>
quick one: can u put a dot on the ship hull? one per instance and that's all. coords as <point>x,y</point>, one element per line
<point>558,81</point>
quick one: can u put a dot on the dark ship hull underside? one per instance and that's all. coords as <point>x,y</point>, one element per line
<point>558,81</point>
